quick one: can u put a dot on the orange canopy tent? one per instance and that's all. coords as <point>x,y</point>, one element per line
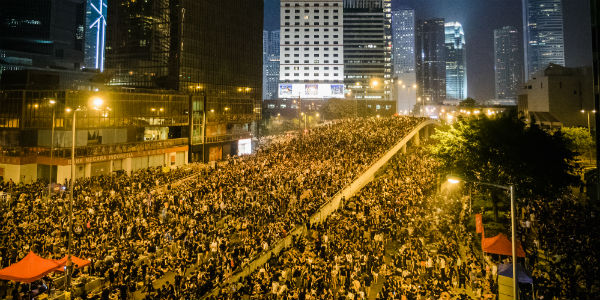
<point>80,263</point>
<point>29,269</point>
<point>501,245</point>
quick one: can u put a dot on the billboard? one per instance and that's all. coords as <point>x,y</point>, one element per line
<point>311,90</point>
<point>244,147</point>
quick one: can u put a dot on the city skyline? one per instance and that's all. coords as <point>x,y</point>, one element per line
<point>479,20</point>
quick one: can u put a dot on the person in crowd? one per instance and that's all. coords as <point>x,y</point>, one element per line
<point>151,225</point>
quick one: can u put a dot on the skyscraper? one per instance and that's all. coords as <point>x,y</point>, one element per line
<point>456,62</point>
<point>543,35</point>
<point>270,64</point>
<point>431,61</point>
<point>507,64</point>
<point>403,57</point>
<point>367,48</point>
<point>207,48</point>
<point>95,34</point>
<point>311,63</point>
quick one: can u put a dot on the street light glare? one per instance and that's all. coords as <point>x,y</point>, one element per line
<point>453,179</point>
<point>52,102</point>
<point>97,102</point>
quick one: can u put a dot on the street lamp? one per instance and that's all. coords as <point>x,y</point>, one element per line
<point>51,102</point>
<point>588,118</point>
<point>454,180</point>
<point>97,102</point>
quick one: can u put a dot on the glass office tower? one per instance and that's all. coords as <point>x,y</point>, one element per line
<point>431,61</point>
<point>543,35</point>
<point>456,62</point>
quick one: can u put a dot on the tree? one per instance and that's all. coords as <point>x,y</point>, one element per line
<point>469,102</point>
<point>580,140</point>
<point>506,151</point>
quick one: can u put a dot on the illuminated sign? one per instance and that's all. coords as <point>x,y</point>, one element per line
<point>96,33</point>
<point>244,147</point>
<point>311,90</point>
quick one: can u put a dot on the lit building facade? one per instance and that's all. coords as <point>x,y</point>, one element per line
<point>403,57</point>
<point>507,63</point>
<point>368,48</point>
<point>431,61</point>
<point>131,131</point>
<point>194,47</point>
<point>270,64</point>
<point>42,35</point>
<point>95,34</point>
<point>456,62</point>
<point>311,53</point>
<point>543,35</point>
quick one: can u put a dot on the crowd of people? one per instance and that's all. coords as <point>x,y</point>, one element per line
<point>214,225</point>
<point>562,247</point>
<point>394,240</point>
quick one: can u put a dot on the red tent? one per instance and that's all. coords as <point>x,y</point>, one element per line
<point>80,263</point>
<point>501,245</point>
<point>29,269</point>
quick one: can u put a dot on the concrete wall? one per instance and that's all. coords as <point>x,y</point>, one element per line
<point>29,173</point>
<point>568,96</point>
<point>537,96</point>
<point>20,173</point>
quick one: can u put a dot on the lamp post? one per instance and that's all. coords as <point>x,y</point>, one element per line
<point>304,117</point>
<point>583,111</point>
<point>71,186</point>
<point>52,102</point>
<point>97,103</point>
<point>511,190</point>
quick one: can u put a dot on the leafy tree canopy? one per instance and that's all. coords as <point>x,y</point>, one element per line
<point>580,139</point>
<point>505,150</point>
<point>469,102</point>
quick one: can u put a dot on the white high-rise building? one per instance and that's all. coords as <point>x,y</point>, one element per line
<point>311,50</point>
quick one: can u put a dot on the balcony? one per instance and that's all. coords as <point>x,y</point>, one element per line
<point>95,150</point>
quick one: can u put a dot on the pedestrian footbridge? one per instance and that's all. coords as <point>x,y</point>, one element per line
<point>421,132</point>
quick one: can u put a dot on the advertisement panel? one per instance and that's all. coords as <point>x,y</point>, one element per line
<point>311,90</point>
<point>244,147</point>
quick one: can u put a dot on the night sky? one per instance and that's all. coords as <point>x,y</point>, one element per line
<point>479,19</point>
